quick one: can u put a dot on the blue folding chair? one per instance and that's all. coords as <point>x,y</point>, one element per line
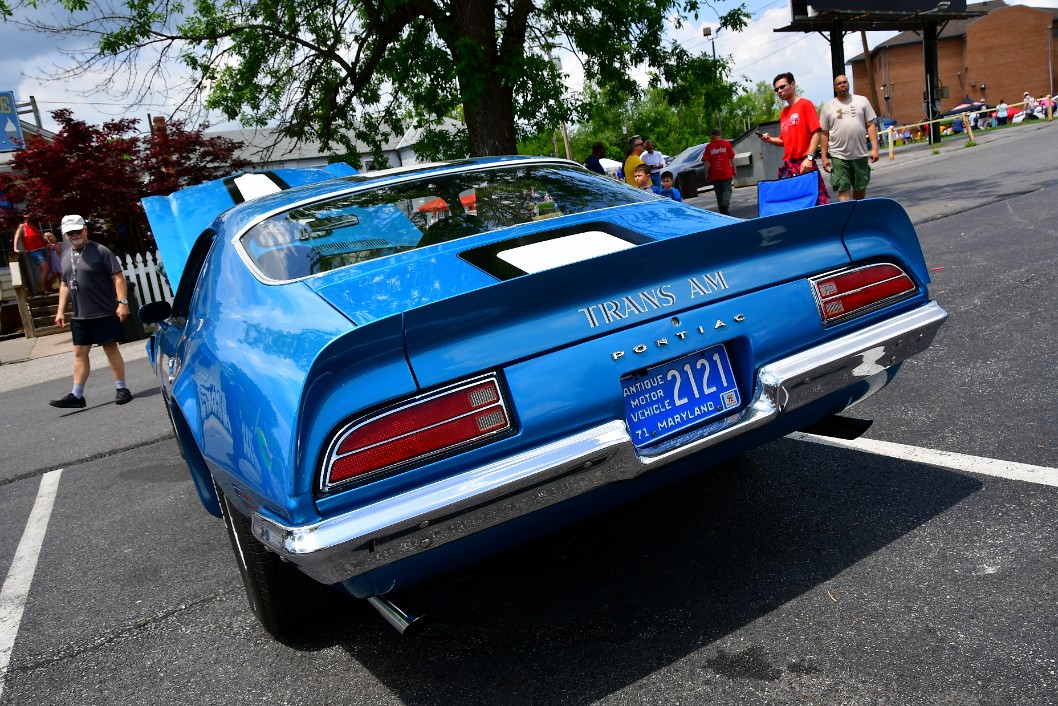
<point>785,195</point>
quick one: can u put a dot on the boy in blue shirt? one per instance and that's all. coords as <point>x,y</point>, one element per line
<point>667,188</point>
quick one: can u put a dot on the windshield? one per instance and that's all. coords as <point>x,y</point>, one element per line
<point>412,214</point>
<point>691,154</point>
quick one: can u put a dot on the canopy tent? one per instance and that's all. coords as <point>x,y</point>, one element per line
<point>967,105</point>
<point>610,165</point>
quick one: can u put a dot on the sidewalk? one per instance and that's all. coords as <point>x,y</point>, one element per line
<point>50,358</point>
<point>16,350</point>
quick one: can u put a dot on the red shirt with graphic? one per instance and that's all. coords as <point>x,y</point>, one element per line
<point>797,122</point>
<point>719,155</point>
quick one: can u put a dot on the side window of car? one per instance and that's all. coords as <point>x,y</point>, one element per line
<point>185,291</point>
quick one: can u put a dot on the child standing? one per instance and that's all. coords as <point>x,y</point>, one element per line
<point>668,188</point>
<point>54,253</point>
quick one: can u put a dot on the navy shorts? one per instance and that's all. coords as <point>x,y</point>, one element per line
<point>101,331</point>
<point>37,256</point>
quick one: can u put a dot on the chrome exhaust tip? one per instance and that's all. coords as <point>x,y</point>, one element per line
<point>404,623</point>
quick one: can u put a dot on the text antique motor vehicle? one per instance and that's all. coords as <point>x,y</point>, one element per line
<point>376,378</point>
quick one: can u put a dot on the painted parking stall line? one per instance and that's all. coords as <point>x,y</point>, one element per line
<point>20,576</point>
<point>1011,470</point>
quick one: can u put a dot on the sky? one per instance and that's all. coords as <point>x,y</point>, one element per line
<point>758,54</point>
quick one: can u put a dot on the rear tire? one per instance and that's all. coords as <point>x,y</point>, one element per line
<point>279,594</point>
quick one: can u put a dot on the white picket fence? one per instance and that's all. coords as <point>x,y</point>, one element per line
<point>142,270</point>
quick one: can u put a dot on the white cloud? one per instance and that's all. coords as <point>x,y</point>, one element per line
<point>758,53</point>
<point>31,59</point>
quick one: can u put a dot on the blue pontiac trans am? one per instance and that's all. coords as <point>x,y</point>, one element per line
<point>375,378</point>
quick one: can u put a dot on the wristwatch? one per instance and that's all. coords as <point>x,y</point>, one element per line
<point>123,301</point>
<point>811,157</point>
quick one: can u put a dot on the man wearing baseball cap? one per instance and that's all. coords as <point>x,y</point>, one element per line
<point>92,279</point>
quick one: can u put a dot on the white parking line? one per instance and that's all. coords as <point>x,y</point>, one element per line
<point>946,459</point>
<point>16,587</point>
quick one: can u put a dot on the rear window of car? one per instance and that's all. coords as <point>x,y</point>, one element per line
<point>411,214</point>
<point>691,155</point>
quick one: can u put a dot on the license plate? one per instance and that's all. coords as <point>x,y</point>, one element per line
<point>672,397</point>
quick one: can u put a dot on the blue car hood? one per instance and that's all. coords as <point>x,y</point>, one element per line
<point>178,219</point>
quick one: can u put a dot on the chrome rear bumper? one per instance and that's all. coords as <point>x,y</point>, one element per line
<point>402,526</point>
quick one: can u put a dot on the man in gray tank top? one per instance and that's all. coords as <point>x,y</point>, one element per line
<point>93,282</point>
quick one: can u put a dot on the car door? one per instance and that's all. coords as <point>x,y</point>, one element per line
<point>172,334</point>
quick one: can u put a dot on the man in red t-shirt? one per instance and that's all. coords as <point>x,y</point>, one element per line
<point>719,159</point>
<point>799,132</point>
<point>29,240</point>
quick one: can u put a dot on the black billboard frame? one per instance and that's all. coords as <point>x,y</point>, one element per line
<point>834,25</point>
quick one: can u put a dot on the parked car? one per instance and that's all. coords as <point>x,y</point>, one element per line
<point>689,159</point>
<point>378,378</point>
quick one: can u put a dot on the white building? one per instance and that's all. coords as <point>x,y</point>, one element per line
<point>261,148</point>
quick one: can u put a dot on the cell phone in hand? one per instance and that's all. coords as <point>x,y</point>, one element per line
<point>760,134</point>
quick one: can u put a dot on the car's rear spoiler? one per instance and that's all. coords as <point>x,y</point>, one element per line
<point>178,219</point>
<point>558,307</point>
<point>457,336</point>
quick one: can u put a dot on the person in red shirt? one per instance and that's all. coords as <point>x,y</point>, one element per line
<point>719,161</point>
<point>29,240</point>
<point>799,132</point>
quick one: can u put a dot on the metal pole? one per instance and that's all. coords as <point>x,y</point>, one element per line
<point>708,32</point>
<point>30,106</point>
<point>837,49</point>
<point>929,55</point>
<point>557,61</point>
<point>712,43</point>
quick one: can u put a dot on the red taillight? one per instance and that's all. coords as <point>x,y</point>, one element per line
<point>448,419</point>
<point>857,291</point>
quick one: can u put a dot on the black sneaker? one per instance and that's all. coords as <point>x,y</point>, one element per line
<point>69,402</point>
<point>123,396</point>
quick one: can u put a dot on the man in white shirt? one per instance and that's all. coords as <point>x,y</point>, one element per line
<point>655,160</point>
<point>848,122</point>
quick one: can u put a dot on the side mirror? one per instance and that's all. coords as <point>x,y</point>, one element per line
<point>155,312</point>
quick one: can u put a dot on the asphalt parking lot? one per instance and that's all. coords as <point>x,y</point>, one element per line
<point>914,566</point>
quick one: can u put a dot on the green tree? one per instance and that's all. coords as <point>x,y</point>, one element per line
<point>348,71</point>
<point>675,116</point>
<point>751,106</point>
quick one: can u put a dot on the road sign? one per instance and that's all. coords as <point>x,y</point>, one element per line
<point>11,136</point>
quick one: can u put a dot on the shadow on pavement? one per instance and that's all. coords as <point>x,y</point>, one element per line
<point>585,612</point>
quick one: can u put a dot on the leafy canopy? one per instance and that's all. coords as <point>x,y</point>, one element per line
<point>357,72</point>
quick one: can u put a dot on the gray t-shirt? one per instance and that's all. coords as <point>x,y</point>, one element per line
<point>846,122</point>
<point>89,273</point>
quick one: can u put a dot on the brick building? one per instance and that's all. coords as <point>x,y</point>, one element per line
<point>991,58</point>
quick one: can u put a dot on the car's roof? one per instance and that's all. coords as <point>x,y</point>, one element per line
<point>360,220</point>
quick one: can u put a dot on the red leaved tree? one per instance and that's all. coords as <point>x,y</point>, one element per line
<point>175,157</point>
<point>102,172</point>
<point>86,169</point>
